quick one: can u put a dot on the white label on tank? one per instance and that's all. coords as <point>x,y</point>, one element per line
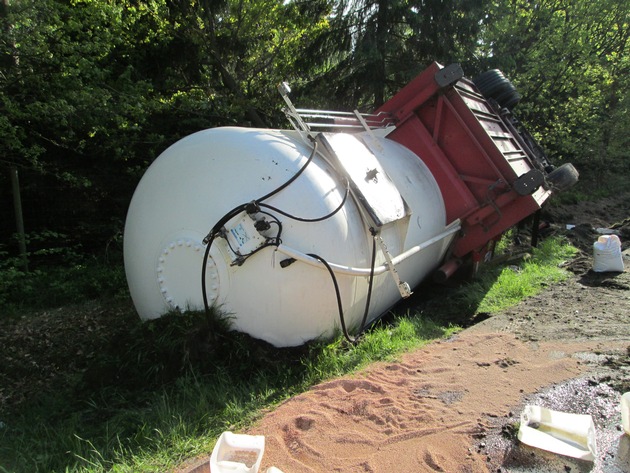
<point>242,235</point>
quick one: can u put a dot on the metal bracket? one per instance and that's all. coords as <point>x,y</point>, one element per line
<point>291,112</point>
<point>373,141</point>
<point>403,287</point>
<point>529,182</point>
<point>490,201</point>
<point>449,75</point>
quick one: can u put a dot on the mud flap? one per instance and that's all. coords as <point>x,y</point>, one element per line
<point>529,182</point>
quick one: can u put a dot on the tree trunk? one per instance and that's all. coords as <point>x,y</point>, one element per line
<point>19,217</point>
<point>232,85</point>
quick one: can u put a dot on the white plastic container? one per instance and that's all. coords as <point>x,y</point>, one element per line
<point>196,181</point>
<point>237,453</point>
<point>607,254</point>
<point>563,433</point>
<point>625,412</point>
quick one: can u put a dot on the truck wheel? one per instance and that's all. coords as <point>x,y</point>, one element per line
<point>493,84</point>
<point>563,177</point>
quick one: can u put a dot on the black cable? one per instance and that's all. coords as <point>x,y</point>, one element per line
<point>222,221</point>
<point>275,241</point>
<point>216,229</point>
<point>369,294</point>
<point>270,241</point>
<point>238,209</point>
<point>311,220</point>
<point>337,294</point>
<point>276,221</point>
<point>293,178</point>
<point>342,320</point>
<point>235,211</point>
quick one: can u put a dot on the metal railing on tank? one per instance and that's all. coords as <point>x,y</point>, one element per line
<point>308,120</point>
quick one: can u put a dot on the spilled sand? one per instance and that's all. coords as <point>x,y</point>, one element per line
<point>421,413</point>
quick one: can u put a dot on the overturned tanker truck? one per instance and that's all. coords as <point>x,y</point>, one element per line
<point>297,234</point>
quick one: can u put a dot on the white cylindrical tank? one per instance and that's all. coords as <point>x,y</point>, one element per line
<point>199,179</point>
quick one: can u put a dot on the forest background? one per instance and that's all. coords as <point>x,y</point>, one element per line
<point>91,91</point>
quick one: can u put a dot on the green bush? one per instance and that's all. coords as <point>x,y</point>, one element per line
<point>57,275</point>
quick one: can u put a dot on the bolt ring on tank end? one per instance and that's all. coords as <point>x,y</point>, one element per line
<point>177,261</point>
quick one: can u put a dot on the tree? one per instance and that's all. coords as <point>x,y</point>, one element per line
<point>569,59</point>
<point>374,47</point>
<point>70,110</point>
<point>244,49</point>
<point>102,86</point>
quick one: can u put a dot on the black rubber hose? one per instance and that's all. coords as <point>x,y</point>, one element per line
<point>238,209</point>
<point>342,320</point>
<point>232,213</point>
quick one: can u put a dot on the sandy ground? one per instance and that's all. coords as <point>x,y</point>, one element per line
<point>454,406</point>
<point>424,413</point>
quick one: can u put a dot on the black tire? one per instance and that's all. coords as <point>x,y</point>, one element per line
<point>563,177</point>
<point>493,84</point>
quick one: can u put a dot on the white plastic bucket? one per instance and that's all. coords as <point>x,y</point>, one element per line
<point>237,453</point>
<point>607,254</point>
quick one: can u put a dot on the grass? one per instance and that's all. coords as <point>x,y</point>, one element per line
<point>55,285</point>
<point>150,395</point>
<point>154,425</point>
<point>502,287</point>
<point>596,182</point>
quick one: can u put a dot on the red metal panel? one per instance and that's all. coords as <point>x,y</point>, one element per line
<point>458,199</point>
<point>404,104</point>
<point>470,151</point>
<point>476,236</point>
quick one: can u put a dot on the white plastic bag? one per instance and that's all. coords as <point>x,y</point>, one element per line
<point>572,435</point>
<point>625,412</point>
<point>607,254</point>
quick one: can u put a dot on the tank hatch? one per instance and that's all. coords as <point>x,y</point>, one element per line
<point>370,184</point>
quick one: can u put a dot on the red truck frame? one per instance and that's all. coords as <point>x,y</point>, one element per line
<point>490,170</point>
